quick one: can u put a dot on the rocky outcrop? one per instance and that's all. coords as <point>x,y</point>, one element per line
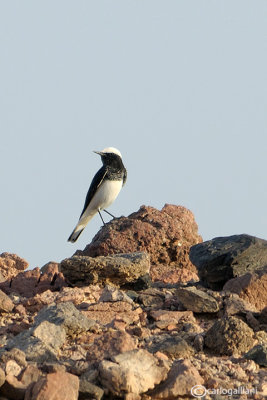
<point>118,269</point>
<point>165,235</point>
<point>11,265</point>
<point>32,282</point>
<point>100,328</point>
<point>224,258</point>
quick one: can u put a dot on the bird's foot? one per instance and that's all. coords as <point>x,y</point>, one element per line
<point>109,213</point>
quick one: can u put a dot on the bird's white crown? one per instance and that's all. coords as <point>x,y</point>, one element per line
<point>112,150</point>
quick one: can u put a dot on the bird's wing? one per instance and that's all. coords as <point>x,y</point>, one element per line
<point>96,182</point>
<point>124,177</point>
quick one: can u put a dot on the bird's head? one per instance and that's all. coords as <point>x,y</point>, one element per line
<point>110,155</point>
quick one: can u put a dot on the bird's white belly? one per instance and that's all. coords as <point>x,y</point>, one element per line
<point>106,194</point>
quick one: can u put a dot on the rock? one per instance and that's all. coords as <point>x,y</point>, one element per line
<point>173,317</point>
<point>51,334</point>
<point>50,268</point>
<point>180,380</point>
<point>258,354</point>
<point>49,331</point>
<point>16,355</point>
<point>25,283</point>
<point>29,375</point>
<point>263,316</point>
<point>197,300</point>
<point>31,282</point>
<point>2,377</point>
<point>251,287</point>
<point>13,389</point>
<point>166,235</point>
<point>34,349</point>
<point>6,304</point>
<point>110,293</point>
<point>50,280</point>
<point>152,297</point>
<point>171,345</point>
<point>12,368</point>
<point>56,386</point>
<point>233,304</point>
<point>77,296</point>
<point>10,265</point>
<point>229,335</point>
<point>132,372</point>
<point>88,390</point>
<point>224,258</point>
<point>106,312</point>
<point>67,317</point>
<point>117,269</point>
<point>110,344</point>
<point>169,273</point>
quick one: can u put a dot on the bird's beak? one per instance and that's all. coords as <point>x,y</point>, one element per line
<point>99,152</point>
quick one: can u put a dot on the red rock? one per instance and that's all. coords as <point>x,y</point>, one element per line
<point>170,274</point>
<point>50,268</point>
<point>106,312</point>
<point>25,282</point>
<point>78,296</point>
<point>31,282</point>
<point>111,344</point>
<point>251,287</point>
<point>172,316</point>
<point>29,375</point>
<point>166,235</point>
<point>6,304</point>
<point>34,304</point>
<point>55,386</point>
<point>11,265</point>
<point>181,378</point>
<point>50,281</point>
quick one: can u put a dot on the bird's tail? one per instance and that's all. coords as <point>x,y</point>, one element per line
<point>75,234</point>
<point>83,221</point>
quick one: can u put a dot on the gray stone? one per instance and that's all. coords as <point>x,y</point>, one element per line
<point>172,345</point>
<point>51,334</point>
<point>224,258</point>
<point>116,269</point>
<point>134,371</point>
<point>48,333</point>
<point>6,304</point>
<point>258,354</point>
<point>197,300</point>
<point>16,355</point>
<point>152,297</point>
<point>229,335</point>
<point>110,293</point>
<point>88,390</point>
<point>67,317</point>
<point>34,349</point>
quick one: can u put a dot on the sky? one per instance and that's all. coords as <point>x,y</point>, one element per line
<point>178,86</point>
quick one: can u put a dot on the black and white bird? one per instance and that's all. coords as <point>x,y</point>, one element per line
<point>103,190</point>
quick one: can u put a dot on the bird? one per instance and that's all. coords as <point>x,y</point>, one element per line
<point>103,190</point>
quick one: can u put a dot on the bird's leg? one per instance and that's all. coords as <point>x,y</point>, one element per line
<point>109,213</point>
<point>101,217</point>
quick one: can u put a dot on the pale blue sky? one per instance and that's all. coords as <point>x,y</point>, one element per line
<point>179,87</point>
